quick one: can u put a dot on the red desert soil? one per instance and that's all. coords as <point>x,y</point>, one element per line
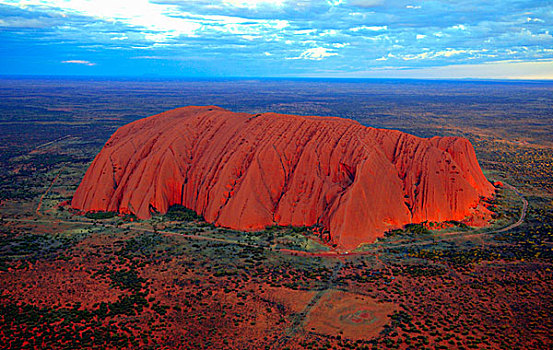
<point>293,301</point>
<point>248,171</point>
<point>353,315</point>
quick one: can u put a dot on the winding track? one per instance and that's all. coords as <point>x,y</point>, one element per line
<point>38,213</point>
<point>522,212</point>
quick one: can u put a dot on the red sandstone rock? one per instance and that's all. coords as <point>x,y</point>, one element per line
<point>248,171</point>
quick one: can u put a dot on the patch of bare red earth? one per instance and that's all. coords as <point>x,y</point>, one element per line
<point>354,316</point>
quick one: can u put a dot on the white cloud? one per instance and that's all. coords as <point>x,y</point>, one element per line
<point>316,54</point>
<point>370,28</point>
<point>413,7</point>
<point>492,70</point>
<point>23,23</point>
<point>119,37</point>
<point>161,22</point>
<point>305,31</point>
<point>420,36</point>
<point>441,53</point>
<point>525,33</point>
<point>83,62</point>
<point>328,32</point>
<point>252,4</point>
<point>449,52</point>
<point>420,56</point>
<point>139,13</point>
<point>340,45</point>
<point>366,3</point>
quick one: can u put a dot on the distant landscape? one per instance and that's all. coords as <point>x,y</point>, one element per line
<point>100,280</point>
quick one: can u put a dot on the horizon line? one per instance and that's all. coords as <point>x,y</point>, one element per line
<point>299,77</point>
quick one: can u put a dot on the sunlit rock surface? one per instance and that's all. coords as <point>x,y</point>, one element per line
<point>248,171</point>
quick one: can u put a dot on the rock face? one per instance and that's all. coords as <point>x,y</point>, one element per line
<point>248,171</point>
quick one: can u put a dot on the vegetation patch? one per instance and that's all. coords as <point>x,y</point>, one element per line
<point>178,212</point>
<point>100,215</point>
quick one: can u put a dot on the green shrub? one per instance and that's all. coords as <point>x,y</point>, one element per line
<point>178,212</point>
<point>99,215</point>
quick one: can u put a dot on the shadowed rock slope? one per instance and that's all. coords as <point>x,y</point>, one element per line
<point>248,171</point>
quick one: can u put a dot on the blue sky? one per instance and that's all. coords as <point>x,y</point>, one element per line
<point>305,38</point>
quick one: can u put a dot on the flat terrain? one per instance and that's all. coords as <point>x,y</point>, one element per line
<point>103,281</point>
<point>352,315</point>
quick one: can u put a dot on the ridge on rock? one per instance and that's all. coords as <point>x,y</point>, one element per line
<point>246,172</point>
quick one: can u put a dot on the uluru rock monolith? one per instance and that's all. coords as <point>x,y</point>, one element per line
<point>246,172</point>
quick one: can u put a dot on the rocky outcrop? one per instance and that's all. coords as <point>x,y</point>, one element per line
<point>248,171</point>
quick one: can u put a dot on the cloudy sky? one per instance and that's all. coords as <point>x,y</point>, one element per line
<point>303,38</point>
